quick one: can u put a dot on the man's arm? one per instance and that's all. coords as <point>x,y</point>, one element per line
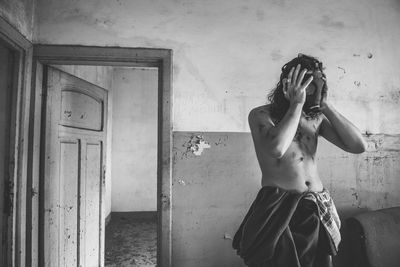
<point>338,130</point>
<point>277,138</point>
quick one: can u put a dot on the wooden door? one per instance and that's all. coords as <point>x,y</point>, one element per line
<point>76,113</point>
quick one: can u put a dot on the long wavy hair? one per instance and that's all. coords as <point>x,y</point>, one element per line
<point>278,103</point>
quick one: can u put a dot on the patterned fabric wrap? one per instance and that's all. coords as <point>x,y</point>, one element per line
<point>327,213</point>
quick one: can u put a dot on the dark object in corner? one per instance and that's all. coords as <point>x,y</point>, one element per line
<point>375,238</point>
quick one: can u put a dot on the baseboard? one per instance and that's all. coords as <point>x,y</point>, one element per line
<point>108,219</point>
<point>136,215</point>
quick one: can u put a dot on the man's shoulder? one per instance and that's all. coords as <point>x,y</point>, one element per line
<point>263,111</point>
<point>260,115</point>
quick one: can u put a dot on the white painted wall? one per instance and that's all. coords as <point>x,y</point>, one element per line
<point>20,14</point>
<point>228,54</point>
<point>134,143</point>
<point>101,76</point>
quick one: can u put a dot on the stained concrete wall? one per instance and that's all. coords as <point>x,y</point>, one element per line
<point>134,144</point>
<point>101,76</point>
<point>20,14</point>
<point>227,56</point>
<point>213,190</point>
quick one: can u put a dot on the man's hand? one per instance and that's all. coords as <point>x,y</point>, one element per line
<point>294,89</point>
<point>324,95</point>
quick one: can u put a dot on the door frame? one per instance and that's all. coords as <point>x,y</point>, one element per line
<point>16,228</point>
<point>110,56</point>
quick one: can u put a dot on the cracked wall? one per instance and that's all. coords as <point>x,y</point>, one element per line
<point>227,57</point>
<point>228,54</point>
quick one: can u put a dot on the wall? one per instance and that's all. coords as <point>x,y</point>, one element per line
<point>227,56</point>
<point>134,143</point>
<point>20,14</point>
<point>101,76</point>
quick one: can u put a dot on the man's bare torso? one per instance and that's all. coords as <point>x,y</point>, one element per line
<point>297,168</point>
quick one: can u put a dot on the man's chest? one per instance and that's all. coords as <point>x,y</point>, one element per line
<point>306,137</point>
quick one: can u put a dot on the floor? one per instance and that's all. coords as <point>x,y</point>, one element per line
<point>131,242</point>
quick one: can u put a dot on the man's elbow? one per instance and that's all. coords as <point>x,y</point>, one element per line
<point>361,147</point>
<point>276,152</point>
<point>276,147</point>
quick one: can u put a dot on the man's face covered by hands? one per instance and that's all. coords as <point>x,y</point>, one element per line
<point>314,92</point>
<point>316,88</point>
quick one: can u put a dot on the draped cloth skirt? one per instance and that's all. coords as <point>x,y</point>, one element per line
<point>285,228</point>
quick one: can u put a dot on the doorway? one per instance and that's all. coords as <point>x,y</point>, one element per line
<point>122,58</point>
<point>131,234</point>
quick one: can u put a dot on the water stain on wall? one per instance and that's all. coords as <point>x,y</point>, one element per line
<point>20,14</point>
<point>276,55</point>
<point>328,22</point>
<point>260,15</point>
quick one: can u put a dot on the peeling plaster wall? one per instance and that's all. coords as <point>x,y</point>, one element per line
<point>134,144</point>
<point>227,56</point>
<point>20,14</point>
<point>101,76</point>
<point>221,183</point>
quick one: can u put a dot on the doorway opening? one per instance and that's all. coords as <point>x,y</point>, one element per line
<point>131,234</point>
<point>135,185</point>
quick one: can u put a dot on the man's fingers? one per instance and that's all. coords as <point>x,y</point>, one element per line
<point>307,83</point>
<point>300,78</point>
<point>296,73</point>
<point>325,88</point>
<point>290,76</point>
<point>284,85</point>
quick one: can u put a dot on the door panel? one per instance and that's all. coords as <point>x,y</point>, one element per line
<point>81,111</point>
<point>92,202</point>
<point>74,157</point>
<point>69,193</point>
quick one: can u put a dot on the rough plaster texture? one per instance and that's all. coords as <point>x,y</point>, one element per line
<point>228,54</point>
<point>134,144</point>
<point>210,200</point>
<point>20,14</point>
<point>101,76</point>
<point>212,192</point>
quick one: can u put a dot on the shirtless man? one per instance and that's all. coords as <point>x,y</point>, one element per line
<point>285,135</point>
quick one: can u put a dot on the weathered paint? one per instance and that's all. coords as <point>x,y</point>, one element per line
<point>196,144</point>
<point>217,190</point>
<point>228,54</point>
<point>101,76</point>
<point>212,192</point>
<point>20,14</point>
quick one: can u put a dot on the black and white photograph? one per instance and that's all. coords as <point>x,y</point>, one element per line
<point>199,133</point>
